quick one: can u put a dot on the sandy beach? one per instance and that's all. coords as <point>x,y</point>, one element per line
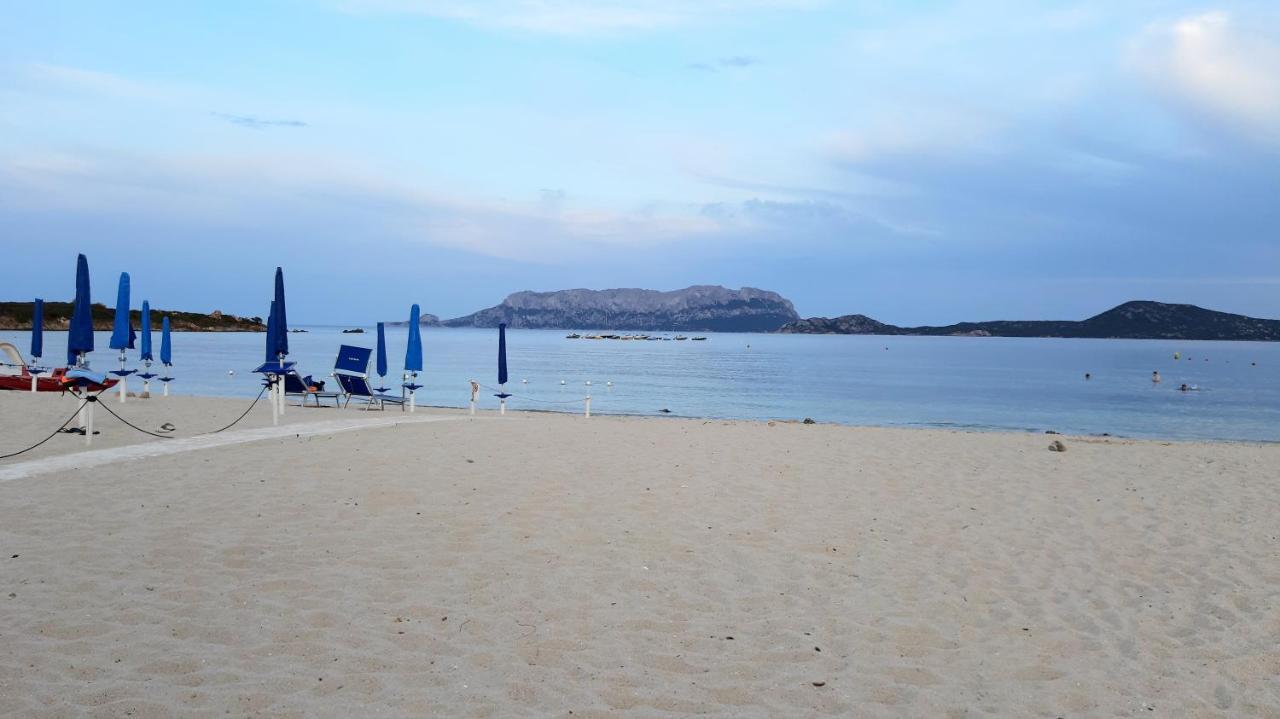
<point>551,565</point>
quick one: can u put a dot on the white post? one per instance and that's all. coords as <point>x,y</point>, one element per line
<point>146,381</point>
<point>502,406</point>
<point>35,376</point>
<point>475,389</point>
<point>280,390</point>
<point>413,394</point>
<point>588,401</point>
<point>123,377</point>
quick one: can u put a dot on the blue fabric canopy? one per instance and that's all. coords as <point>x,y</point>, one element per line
<point>121,329</point>
<point>37,328</point>
<point>80,333</point>
<point>146,331</point>
<point>273,328</point>
<point>382,351</point>
<point>166,349</point>
<point>282,321</point>
<point>502,354</point>
<point>413,353</point>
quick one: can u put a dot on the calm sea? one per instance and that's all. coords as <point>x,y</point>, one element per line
<point>960,382</point>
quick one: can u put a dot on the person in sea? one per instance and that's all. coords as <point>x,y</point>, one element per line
<point>1088,376</point>
<point>1155,376</point>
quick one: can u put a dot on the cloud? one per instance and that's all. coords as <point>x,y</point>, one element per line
<point>291,194</point>
<point>93,82</point>
<point>577,17</point>
<point>1217,67</point>
<point>732,62</point>
<point>254,123</point>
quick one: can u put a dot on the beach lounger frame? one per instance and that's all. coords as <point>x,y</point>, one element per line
<point>295,387</point>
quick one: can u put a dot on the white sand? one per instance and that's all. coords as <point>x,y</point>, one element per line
<point>542,565</point>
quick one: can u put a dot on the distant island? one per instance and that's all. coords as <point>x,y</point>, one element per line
<point>701,308</point>
<point>424,320</point>
<point>1131,320</point>
<point>57,316</point>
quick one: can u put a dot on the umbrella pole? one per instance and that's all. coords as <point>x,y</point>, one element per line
<point>146,381</point>
<point>588,409</point>
<point>475,388</point>
<point>413,394</point>
<point>502,401</point>
<point>280,391</point>
<point>275,405</point>
<point>123,378</point>
<point>35,375</point>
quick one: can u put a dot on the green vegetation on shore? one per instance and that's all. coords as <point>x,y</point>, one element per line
<point>57,316</point>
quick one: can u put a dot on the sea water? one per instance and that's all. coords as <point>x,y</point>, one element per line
<point>986,383</point>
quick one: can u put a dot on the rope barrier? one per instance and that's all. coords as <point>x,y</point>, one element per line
<point>61,427</point>
<point>130,424</point>
<point>107,407</point>
<point>171,436</point>
<point>51,436</point>
<point>534,399</point>
<point>246,412</point>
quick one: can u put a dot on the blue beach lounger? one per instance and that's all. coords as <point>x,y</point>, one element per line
<point>296,386</point>
<point>352,372</point>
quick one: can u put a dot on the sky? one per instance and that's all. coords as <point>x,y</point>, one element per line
<point>918,162</point>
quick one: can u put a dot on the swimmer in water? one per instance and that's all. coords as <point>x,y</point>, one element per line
<point>1088,376</point>
<point>1184,388</point>
<point>1155,377</point>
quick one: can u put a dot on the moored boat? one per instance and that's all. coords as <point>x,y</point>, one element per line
<point>14,375</point>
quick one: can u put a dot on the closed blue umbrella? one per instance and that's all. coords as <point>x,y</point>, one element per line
<point>146,332</point>
<point>502,368</point>
<point>122,334</point>
<point>382,351</point>
<point>413,353</point>
<point>120,330</point>
<point>166,347</point>
<point>282,321</point>
<point>166,353</point>
<point>37,329</point>
<point>80,333</point>
<point>413,356</point>
<point>502,354</point>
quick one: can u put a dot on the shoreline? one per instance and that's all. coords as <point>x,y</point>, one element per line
<point>223,403</point>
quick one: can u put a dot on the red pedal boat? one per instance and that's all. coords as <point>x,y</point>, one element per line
<point>14,375</point>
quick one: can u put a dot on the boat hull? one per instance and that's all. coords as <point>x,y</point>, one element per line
<point>45,383</point>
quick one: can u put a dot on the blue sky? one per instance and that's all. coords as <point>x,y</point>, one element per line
<point>919,162</point>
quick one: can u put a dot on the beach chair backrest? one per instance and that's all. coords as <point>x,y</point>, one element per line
<point>353,360</point>
<point>293,384</point>
<point>353,385</point>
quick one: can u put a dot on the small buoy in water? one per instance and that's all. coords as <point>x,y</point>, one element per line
<point>231,371</point>
<point>524,381</point>
<point>588,383</point>
<point>610,384</point>
<point>1177,355</point>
